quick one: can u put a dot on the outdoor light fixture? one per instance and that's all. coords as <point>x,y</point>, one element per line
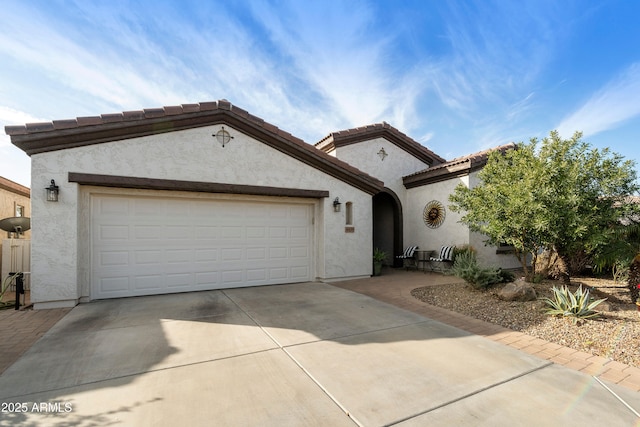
<point>336,205</point>
<point>382,154</point>
<point>52,192</point>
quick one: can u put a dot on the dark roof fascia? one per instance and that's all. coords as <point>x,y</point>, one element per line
<point>438,174</point>
<point>384,130</point>
<point>191,186</point>
<point>65,134</point>
<point>14,187</point>
<point>455,168</point>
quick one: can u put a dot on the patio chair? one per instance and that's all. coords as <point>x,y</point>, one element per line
<point>444,260</point>
<point>408,257</point>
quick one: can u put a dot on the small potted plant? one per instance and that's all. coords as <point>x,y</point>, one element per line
<point>379,256</point>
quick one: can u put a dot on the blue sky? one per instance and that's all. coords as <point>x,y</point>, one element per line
<point>457,76</point>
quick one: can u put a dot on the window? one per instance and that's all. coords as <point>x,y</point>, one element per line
<point>349,213</point>
<point>504,248</point>
<point>19,210</point>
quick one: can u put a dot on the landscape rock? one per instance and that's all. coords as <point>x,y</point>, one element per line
<point>518,291</point>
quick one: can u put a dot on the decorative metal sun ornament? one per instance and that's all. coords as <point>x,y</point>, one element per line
<point>433,214</point>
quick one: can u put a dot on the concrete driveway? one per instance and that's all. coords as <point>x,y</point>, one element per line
<point>290,355</point>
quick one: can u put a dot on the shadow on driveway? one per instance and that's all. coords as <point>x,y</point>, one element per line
<point>308,353</point>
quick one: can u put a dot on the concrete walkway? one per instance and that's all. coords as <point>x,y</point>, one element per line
<point>19,330</point>
<point>395,287</point>
<point>304,354</point>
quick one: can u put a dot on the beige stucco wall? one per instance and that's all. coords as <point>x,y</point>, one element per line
<point>396,164</point>
<point>58,268</point>
<point>8,202</point>
<point>451,232</point>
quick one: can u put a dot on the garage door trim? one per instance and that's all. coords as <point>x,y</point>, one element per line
<point>191,186</point>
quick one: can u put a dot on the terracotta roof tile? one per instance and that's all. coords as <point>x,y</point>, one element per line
<point>89,121</point>
<point>96,129</point>
<point>456,167</point>
<point>224,104</point>
<point>173,110</point>
<point>190,108</point>
<point>16,130</point>
<point>65,124</point>
<point>241,112</point>
<point>150,113</point>
<point>39,127</point>
<point>208,106</point>
<point>256,120</point>
<point>112,118</point>
<point>372,131</point>
<point>133,115</point>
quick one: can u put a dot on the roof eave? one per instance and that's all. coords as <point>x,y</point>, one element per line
<point>60,135</point>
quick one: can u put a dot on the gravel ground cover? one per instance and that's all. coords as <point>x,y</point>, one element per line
<point>615,334</point>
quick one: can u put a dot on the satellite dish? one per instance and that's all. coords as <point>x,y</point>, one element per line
<point>16,224</point>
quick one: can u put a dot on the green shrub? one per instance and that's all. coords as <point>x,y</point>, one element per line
<point>463,249</point>
<point>466,267</point>
<point>577,306</point>
<point>506,276</point>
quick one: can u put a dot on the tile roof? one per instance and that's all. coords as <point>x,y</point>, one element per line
<point>459,166</point>
<point>379,130</point>
<point>35,138</point>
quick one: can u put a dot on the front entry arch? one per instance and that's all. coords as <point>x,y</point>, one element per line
<point>387,225</point>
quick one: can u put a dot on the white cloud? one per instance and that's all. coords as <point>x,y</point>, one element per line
<point>610,106</point>
<point>10,116</point>
<point>337,52</point>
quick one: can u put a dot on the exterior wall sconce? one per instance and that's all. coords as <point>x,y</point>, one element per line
<point>336,205</point>
<point>52,192</point>
<point>382,154</point>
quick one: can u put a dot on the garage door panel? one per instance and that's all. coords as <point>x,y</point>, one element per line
<point>278,273</point>
<point>206,255</point>
<point>113,232</point>
<point>153,245</point>
<point>278,232</point>
<point>114,284</point>
<point>256,275</point>
<point>256,254</point>
<point>114,258</point>
<point>233,277</point>
<point>232,232</point>
<point>180,280</point>
<point>203,232</point>
<point>299,272</point>
<point>277,253</point>
<point>299,252</point>
<point>149,257</point>
<point>149,282</point>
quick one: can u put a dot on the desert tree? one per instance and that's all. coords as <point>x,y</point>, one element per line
<point>555,194</point>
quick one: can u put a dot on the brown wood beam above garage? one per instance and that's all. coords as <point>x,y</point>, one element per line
<point>194,186</point>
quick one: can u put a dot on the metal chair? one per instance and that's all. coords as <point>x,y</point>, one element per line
<point>408,257</point>
<point>444,260</point>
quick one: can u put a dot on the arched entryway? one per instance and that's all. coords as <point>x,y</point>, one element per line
<point>387,225</point>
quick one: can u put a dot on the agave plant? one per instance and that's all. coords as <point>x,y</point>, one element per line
<point>577,306</point>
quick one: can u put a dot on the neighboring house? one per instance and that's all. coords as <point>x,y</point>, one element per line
<point>208,196</point>
<point>14,201</point>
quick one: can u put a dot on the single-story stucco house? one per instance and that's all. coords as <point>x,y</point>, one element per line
<point>207,196</point>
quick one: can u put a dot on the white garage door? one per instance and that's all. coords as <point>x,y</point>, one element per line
<point>146,245</point>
